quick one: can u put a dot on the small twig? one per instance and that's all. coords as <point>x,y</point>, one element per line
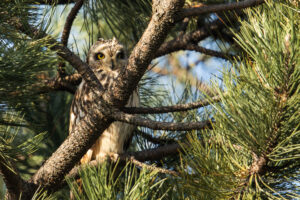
<point>174,108</point>
<point>196,11</point>
<point>152,168</point>
<point>155,125</point>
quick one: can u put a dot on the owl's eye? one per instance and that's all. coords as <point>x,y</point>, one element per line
<point>100,56</point>
<point>121,55</point>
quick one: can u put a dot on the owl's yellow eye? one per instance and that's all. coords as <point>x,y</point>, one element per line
<point>100,56</point>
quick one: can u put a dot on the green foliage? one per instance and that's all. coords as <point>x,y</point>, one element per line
<point>13,148</point>
<point>258,118</point>
<point>24,62</point>
<point>109,181</point>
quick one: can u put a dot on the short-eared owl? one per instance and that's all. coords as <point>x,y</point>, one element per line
<point>106,58</point>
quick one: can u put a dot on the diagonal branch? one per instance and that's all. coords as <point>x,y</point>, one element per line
<point>162,20</point>
<point>194,37</point>
<point>83,68</point>
<point>174,108</point>
<point>196,11</point>
<point>155,125</point>
<point>67,83</point>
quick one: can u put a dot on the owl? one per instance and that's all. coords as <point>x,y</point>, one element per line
<point>106,58</point>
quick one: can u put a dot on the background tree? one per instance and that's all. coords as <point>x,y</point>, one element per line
<point>238,134</point>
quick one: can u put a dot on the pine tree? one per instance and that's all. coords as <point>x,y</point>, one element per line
<point>235,137</point>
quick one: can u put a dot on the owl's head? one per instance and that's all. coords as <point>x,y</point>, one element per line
<point>107,55</point>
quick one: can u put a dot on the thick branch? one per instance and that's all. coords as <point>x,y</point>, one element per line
<point>175,108</point>
<point>196,11</point>
<point>59,84</point>
<point>163,19</point>
<point>155,125</point>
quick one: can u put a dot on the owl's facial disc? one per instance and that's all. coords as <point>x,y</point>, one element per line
<point>120,54</point>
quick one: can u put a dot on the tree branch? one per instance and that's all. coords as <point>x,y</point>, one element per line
<point>155,125</point>
<point>181,41</point>
<point>196,11</point>
<point>83,68</point>
<point>162,20</point>
<point>60,84</point>
<point>174,108</point>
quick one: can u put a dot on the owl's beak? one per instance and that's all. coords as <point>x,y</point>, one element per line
<point>112,65</point>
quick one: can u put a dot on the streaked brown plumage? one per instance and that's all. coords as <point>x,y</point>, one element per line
<point>106,58</point>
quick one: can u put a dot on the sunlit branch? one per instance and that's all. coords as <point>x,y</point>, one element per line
<point>155,125</point>
<point>174,108</point>
<point>194,37</point>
